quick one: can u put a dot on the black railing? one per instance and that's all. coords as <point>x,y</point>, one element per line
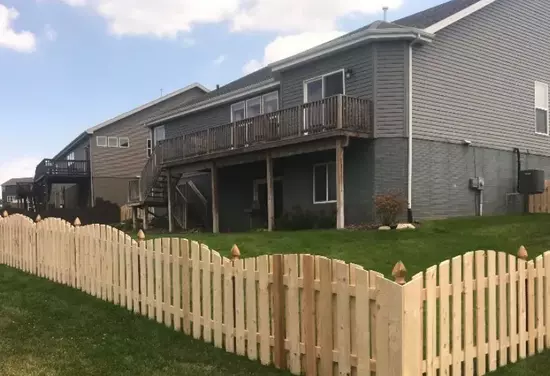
<point>50,167</point>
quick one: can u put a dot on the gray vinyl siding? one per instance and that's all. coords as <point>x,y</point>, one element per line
<point>390,95</point>
<point>129,162</point>
<point>79,150</point>
<point>208,118</point>
<point>476,81</point>
<point>358,59</point>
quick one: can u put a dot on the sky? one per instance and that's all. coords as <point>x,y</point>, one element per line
<point>67,65</point>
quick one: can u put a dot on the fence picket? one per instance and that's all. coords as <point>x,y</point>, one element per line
<point>264,309</point>
<point>206,293</point>
<point>217,295</point>
<point>492,318</point>
<point>503,338</point>
<point>176,282</point>
<point>143,298</point>
<point>293,314</point>
<point>150,278</point>
<point>456,265</point>
<point>531,309</point>
<point>513,308</point>
<point>480,313</point>
<point>547,297</point>
<point>343,316</point>
<point>229,306</point>
<point>167,289</point>
<point>539,323</point>
<point>469,349</point>
<point>251,309</point>
<point>325,316</point>
<point>195,289</point>
<point>362,312</point>
<point>444,325</point>
<point>240,336</point>
<point>431,321</point>
<point>158,280</point>
<point>185,287</point>
<point>522,314</point>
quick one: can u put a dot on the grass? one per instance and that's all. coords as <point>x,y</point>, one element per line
<point>48,329</point>
<point>433,242</point>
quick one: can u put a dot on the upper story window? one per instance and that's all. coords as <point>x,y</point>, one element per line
<point>101,141</point>
<point>70,158</point>
<point>324,86</point>
<point>123,142</point>
<point>261,104</point>
<point>112,142</point>
<point>541,108</point>
<point>149,147</point>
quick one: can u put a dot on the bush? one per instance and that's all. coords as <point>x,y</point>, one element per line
<point>299,219</point>
<point>389,206</point>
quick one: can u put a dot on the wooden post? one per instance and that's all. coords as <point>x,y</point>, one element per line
<point>145,216</point>
<point>279,335</point>
<point>38,218</point>
<point>270,199</point>
<point>340,217</point>
<point>5,214</point>
<point>215,212</point>
<point>399,273</point>
<point>523,255</point>
<point>339,112</point>
<point>134,217</point>
<point>170,199</point>
<point>235,256</point>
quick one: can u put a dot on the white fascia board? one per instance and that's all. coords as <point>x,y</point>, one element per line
<point>458,16</point>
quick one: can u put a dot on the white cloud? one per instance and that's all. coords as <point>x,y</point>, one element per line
<point>18,168</point>
<point>23,41</point>
<point>303,15</point>
<point>50,33</point>
<point>285,46</point>
<point>167,18</point>
<point>219,60</point>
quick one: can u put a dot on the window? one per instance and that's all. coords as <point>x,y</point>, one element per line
<point>11,199</point>
<point>70,159</point>
<point>123,142</point>
<point>255,106</point>
<point>324,86</point>
<point>101,141</point>
<point>324,183</point>
<point>271,102</point>
<point>149,147</point>
<point>159,134</point>
<point>112,142</point>
<point>237,111</point>
<point>541,108</point>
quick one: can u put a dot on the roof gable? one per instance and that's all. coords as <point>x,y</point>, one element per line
<point>14,181</point>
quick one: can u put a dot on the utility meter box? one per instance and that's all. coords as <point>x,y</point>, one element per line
<point>531,182</point>
<point>477,183</point>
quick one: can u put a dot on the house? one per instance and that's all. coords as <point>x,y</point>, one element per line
<point>429,105</point>
<point>99,162</point>
<point>16,193</point>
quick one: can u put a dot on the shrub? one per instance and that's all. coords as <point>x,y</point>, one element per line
<point>389,206</point>
<point>299,219</point>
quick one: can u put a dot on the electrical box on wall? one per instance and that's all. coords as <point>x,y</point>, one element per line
<point>477,183</point>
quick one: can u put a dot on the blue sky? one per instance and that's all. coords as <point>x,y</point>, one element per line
<point>67,65</point>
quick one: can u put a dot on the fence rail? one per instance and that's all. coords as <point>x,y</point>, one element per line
<point>308,314</point>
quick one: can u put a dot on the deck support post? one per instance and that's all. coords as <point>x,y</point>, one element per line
<point>145,216</point>
<point>134,218</point>
<point>170,192</point>
<point>270,199</point>
<point>215,211</point>
<point>340,219</point>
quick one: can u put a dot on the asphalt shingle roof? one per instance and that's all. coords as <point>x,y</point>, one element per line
<point>14,181</point>
<point>428,17</point>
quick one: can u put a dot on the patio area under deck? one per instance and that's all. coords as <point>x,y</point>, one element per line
<point>312,127</point>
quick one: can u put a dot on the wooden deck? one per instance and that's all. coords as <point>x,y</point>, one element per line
<point>295,124</point>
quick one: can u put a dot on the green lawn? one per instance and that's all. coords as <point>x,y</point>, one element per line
<point>433,242</point>
<point>48,329</point>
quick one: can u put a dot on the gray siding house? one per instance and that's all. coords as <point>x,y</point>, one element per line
<point>420,105</point>
<point>99,163</point>
<point>15,193</point>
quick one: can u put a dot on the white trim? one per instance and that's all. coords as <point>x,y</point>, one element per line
<point>410,126</point>
<point>544,107</point>
<point>458,16</point>
<point>149,147</point>
<point>322,78</point>
<point>343,42</point>
<point>270,93</point>
<point>245,104</point>
<point>103,144</point>
<point>120,142</point>
<point>222,99</point>
<point>241,103</point>
<point>327,183</point>
<point>147,105</point>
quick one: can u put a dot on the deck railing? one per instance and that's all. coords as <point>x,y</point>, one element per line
<point>337,112</point>
<point>51,167</point>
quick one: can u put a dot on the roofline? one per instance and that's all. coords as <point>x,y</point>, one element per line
<point>5,184</point>
<point>221,99</point>
<point>147,105</point>
<point>72,144</point>
<point>365,36</point>
<point>458,16</point>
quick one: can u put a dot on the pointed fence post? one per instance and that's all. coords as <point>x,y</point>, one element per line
<point>235,256</point>
<point>38,218</point>
<point>399,273</point>
<point>75,278</point>
<point>5,214</point>
<point>141,285</point>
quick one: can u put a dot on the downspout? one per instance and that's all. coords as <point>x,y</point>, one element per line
<point>410,217</point>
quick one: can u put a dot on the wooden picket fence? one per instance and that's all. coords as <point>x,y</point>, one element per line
<point>540,203</point>
<point>308,314</point>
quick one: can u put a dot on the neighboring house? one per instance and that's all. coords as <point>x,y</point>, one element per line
<point>99,163</point>
<point>421,105</point>
<point>16,193</point>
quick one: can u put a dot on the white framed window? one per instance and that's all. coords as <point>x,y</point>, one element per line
<point>101,141</point>
<point>112,142</point>
<point>259,105</point>
<point>541,108</point>
<point>270,102</point>
<point>70,158</point>
<point>238,111</point>
<point>149,147</point>
<point>324,183</point>
<point>324,86</point>
<point>124,142</point>
<point>11,199</point>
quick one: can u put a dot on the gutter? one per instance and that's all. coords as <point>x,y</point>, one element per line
<point>410,218</point>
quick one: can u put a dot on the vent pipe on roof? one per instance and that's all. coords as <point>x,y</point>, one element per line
<point>385,9</point>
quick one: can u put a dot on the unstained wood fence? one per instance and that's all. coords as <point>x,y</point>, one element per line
<point>308,314</point>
